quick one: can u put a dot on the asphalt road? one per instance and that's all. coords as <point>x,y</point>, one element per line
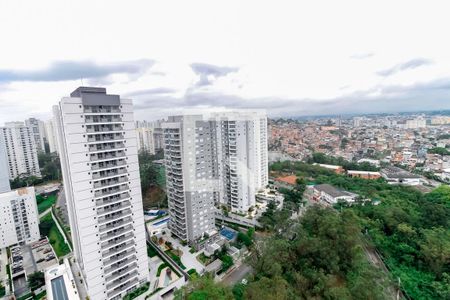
<point>237,275</point>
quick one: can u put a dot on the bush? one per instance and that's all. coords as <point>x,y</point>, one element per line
<point>137,292</point>
<point>151,252</point>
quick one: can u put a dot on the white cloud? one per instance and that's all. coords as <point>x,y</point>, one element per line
<point>300,52</point>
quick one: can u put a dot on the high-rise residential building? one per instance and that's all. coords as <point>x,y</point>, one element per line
<point>213,159</point>
<point>37,129</point>
<point>50,133</point>
<point>156,127</point>
<point>4,168</point>
<point>20,150</point>
<point>98,151</point>
<point>19,222</point>
<point>145,139</point>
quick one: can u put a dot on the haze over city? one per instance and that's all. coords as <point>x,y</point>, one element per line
<point>292,58</point>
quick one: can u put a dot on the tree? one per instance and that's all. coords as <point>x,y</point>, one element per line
<point>227,262</point>
<point>267,289</point>
<point>203,288</point>
<point>36,280</point>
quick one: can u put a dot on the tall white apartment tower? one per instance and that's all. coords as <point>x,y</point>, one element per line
<point>213,159</point>
<point>50,133</point>
<point>145,139</point>
<point>20,150</point>
<point>4,168</point>
<point>98,148</point>
<point>37,129</point>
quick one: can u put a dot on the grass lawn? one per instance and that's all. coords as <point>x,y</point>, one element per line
<point>48,228</point>
<point>45,202</point>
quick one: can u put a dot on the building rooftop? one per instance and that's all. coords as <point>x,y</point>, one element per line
<point>396,172</point>
<point>332,191</point>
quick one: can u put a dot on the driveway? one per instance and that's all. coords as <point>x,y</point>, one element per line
<point>237,275</point>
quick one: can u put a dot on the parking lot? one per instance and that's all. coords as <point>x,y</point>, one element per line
<point>27,259</point>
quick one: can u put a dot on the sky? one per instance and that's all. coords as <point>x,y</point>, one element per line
<point>292,58</point>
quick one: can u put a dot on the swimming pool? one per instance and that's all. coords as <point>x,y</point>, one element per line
<point>228,234</point>
<point>161,222</point>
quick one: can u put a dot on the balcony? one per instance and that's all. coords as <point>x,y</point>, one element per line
<point>110,191</point>
<point>110,182</point>
<point>113,251</point>
<point>118,257</point>
<point>114,216</point>
<point>113,208</point>
<point>114,233</point>
<point>108,174</point>
<point>117,241</point>
<point>105,156</point>
<point>105,138</point>
<point>115,225</point>
<point>98,110</point>
<point>92,129</point>
<point>112,199</point>
<point>121,276</point>
<point>106,146</point>
<point>119,265</point>
<point>108,165</point>
<point>102,119</point>
<point>117,289</point>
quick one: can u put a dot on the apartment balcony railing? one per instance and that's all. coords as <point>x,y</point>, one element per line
<point>113,208</point>
<point>116,225</point>
<point>124,284</point>
<point>103,128</point>
<point>100,119</point>
<point>114,216</point>
<point>97,110</point>
<point>113,251</point>
<point>108,165</point>
<point>106,192</point>
<point>102,156</point>
<point>121,276</point>
<point>119,256</point>
<point>120,265</point>
<point>100,138</point>
<point>110,182</point>
<point>112,199</point>
<point>117,241</point>
<point>104,147</point>
<point>111,173</point>
<point>114,233</point>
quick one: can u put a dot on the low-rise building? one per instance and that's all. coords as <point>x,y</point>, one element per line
<point>60,283</point>
<point>327,194</point>
<point>364,174</point>
<point>396,175</point>
<point>334,168</point>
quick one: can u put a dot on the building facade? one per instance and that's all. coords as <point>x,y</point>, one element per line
<point>213,159</point>
<point>37,129</point>
<point>20,150</point>
<point>4,168</point>
<point>98,149</point>
<point>145,140</point>
<point>51,136</point>
<point>20,219</point>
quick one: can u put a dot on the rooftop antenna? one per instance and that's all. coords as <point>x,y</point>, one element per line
<point>81,79</point>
